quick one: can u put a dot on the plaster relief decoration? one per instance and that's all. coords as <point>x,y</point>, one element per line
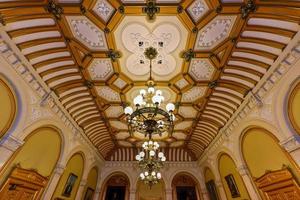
<point>187,111</point>
<point>182,83</point>
<point>215,32</point>
<point>108,94</point>
<point>104,10</point>
<point>201,69</point>
<point>198,9</point>
<point>114,111</point>
<point>87,32</point>
<point>100,69</point>
<point>136,38</point>
<point>193,94</point>
<point>166,34</point>
<point>120,83</point>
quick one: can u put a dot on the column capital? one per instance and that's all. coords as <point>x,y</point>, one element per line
<point>219,184</point>
<point>11,143</point>
<point>59,169</point>
<point>83,182</point>
<point>243,170</point>
<point>291,144</point>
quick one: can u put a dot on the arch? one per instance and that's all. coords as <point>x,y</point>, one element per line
<point>69,181</point>
<point>257,144</point>
<point>118,176</point>
<point>188,181</point>
<point>293,107</point>
<point>34,155</point>
<point>157,191</point>
<point>232,181</point>
<point>210,183</point>
<point>8,106</point>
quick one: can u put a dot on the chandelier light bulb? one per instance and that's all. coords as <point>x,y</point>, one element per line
<point>142,154</point>
<point>138,157</point>
<point>158,92</point>
<point>163,159</point>
<point>156,99</point>
<point>142,92</point>
<point>152,153</point>
<point>128,110</point>
<point>155,144</point>
<point>153,173</point>
<point>160,154</point>
<point>170,107</point>
<point>142,176</point>
<point>150,142</point>
<point>158,175</point>
<point>146,173</point>
<point>151,90</point>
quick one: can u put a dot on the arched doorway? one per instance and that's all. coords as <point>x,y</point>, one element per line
<point>271,167</point>
<point>116,187</point>
<point>27,173</point>
<point>185,186</point>
<point>156,192</point>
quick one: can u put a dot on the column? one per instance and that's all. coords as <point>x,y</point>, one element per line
<point>244,172</point>
<point>169,194</point>
<point>7,147</point>
<point>58,171</point>
<point>132,194</point>
<point>292,146</point>
<point>204,194</point>
<point>80,190</point>
<point>97,194</point>
<point>221,190</point>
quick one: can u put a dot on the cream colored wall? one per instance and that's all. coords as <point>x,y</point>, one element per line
<point>76,166</point>
<point>226,167</point>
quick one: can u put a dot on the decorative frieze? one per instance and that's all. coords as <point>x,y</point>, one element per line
<point>291,144</point>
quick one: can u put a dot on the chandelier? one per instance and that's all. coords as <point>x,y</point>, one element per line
<point>150,162</point>
<point>148,117</point>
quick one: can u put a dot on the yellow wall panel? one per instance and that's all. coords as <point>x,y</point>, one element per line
<point>261,153</point>
<point>7,107</point>
<point>75,165</point>
<point>294,108</point>
<point>40,151</point>
<point>91,180</point>
<point>226,167</point>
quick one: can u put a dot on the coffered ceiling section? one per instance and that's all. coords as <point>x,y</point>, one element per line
<point>211,54</point>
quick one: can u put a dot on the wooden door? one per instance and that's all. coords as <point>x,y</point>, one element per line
<point>23,184</point>
<point>278,185</point>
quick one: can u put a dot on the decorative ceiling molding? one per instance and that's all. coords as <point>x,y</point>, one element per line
<point>219,60</point>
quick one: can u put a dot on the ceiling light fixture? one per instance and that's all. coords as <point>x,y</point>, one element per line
<point>150,163</point>
<point>148,117</point>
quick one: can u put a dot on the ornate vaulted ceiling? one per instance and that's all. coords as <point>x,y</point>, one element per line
<point>212,53</point>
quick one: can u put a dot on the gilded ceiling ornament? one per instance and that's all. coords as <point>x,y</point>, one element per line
<point>151,9</point>
<point>188,55</point>
<point>247,8</point>
<point>113,55</point>
<point>55,9</point>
